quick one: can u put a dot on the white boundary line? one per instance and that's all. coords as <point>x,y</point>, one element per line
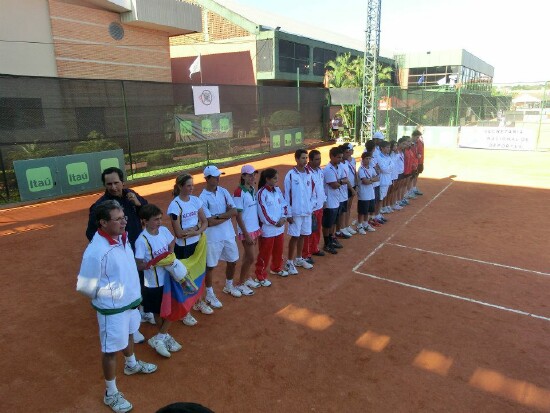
<point>397,230</point>
<point>471,259</point>
<point>417,287</point>
<point>457,297</point>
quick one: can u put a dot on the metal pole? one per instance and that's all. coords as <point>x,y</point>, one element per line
<point>541,114</point>
<point>127,129</point>
<point>298,85</point>
<point>458,106</point>
<point>6,183</point>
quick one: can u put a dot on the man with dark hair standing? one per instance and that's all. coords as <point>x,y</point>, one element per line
<point>108,276</point>
<point>131,202</point>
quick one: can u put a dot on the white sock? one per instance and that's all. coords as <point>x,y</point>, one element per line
<point>110,386</point>
<point>209,290</point>
<point>130,361</point>
<point>229,283</point>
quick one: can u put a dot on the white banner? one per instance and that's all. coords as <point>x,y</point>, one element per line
<point>206,100</point>
<point>513,139</point>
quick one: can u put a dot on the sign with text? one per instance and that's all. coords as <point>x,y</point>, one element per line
<point>54,176</point>
<point>512,139</point>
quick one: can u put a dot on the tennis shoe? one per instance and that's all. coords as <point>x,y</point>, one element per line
<point>138,337</point>
<point>369,228</point>
<point>281,273</point>
<point>319,253</point>
<point>300,262</point>
<point>291,268</point>
<point>148,318</point>
<point>171,344</point>
<point>202,307</point>
<point>397,207</point>
<point>231,289</point>
<point>310,260</point>
<point>140,367</point>
<point>213,301</point>
<point>244,290</point>
<point>250,283</point>
<point>351,230</point>
<point>266,283</point>
<point>159,346</point>
<point>418,192</point>
<point>361,231</point>
<point>189,320</point>
<point>336,244</point>
<point>117,402</point>
<point>340,234</point>
<point>330,249</point>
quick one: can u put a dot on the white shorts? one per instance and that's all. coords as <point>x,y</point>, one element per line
<point>383,191</point>
<point>115,329</point>
<point>225,250</point>
<point>300,226</point>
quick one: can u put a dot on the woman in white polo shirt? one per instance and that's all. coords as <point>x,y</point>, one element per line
<point>188,222</point>
<point>248,226</point>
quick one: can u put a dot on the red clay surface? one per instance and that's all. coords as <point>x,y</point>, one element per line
<point>329,339</point>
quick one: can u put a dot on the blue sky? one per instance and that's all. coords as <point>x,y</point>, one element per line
<point>510,36</point>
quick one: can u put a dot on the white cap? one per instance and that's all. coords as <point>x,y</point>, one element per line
<point>378,135</point>
<point>212,170</point>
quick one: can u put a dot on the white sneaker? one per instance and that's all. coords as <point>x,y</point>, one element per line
<point>370,228</point>
<point>346,232</point>
<point>117,402</point>
<point>244,290</point>
<point>189,320</point>
<point>351,230</point>
<point>213,301</point>
<point>361,231</point>
<point>202,307</point>
<point>160,346</point>
<point>138,337</point>
<point>250,283</point>
<point>291,268</point>
<point>148,318</point>
<point>354,222</point>
<point>397,207</point>
<point>171,344</point>
<point>281,273</point>
<point>266,283</point>
<point>300,262</point>
<point>231,289</point>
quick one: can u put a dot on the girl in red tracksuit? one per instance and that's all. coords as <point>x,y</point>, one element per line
<point>273,212</point>
<point>411,163</point>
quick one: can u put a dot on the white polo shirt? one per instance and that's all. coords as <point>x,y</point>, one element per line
<point>331,174</point>
<point>149,246</point>
<point>365,192</point>
<point>246,203</point>
<point>217,203</point>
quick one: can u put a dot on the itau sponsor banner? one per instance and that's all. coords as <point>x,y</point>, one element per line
<point>513,139</point>
<point>206,99</point>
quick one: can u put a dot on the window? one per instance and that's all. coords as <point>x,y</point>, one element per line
<point>320,59</point>
<point>21,113</point>
<point>293,56</point>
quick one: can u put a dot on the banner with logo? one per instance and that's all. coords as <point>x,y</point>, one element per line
<point>191,128</point>
<point>513,139</point>
<point>206,99</point>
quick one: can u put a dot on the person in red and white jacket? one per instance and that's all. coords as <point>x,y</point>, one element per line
<point>419,149</point>
<point>299,196</point>
<point>273,213</point>
<point>311,242</point>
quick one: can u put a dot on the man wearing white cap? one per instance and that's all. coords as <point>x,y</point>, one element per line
<point>219,208</point>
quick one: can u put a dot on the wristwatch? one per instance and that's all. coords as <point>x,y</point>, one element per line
<point>217,217</point>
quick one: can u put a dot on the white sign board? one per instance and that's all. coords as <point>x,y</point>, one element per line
<point>206,100</point>
<point>512,139</point>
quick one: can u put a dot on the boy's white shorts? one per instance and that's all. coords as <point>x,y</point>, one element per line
<point>225,250</point>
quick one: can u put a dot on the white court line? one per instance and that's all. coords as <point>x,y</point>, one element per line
<point>401,226</point>
<point>457,297</point>
<point>471,259</point>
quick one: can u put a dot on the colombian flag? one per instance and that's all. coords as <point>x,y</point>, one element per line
<point>175,303</point>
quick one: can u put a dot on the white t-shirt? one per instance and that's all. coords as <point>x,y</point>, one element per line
<point>365,192</point>
<point>149,246</point>
<point>350,167</point>
<point>343,190</point>
<point>188,211</point>
<point>331,174</point>
<point>246,203</point>
<point>373,163</point>
<point>216,203</point>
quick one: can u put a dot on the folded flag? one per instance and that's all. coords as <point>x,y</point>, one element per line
<point>177,299</point>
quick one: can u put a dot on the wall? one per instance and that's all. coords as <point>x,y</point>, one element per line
<point>85,49</point>
<point>26,21</point>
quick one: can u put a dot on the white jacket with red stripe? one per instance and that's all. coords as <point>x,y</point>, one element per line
<point>299,192</point>
<point>271,208</point>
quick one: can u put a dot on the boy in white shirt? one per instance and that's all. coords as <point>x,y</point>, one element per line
<point>219,208</point>
<point>298,186</point>
<point>153,241</point>
<point>365,194</point>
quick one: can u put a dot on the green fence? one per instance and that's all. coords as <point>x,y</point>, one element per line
<point>152,123</point>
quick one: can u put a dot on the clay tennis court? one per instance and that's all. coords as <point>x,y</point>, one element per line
<point>444,309</point>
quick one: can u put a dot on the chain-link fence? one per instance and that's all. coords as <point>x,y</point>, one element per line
<point>153,123</point>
